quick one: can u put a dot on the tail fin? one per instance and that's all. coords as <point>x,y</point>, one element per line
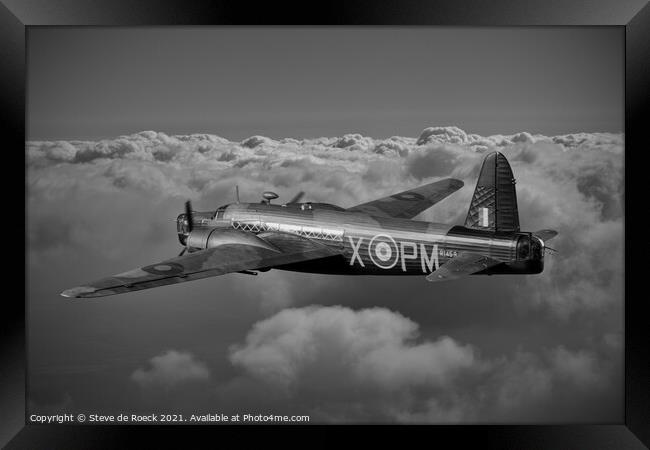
<point>494,205</point>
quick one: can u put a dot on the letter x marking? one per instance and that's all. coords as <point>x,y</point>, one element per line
<point>355,250</point>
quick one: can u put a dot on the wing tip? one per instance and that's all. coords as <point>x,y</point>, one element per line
<point>433,277</point>
<point>449,183</point>
<point>78,292</point>
<point>456,183</point>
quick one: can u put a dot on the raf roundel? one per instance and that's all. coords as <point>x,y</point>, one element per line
<point>408,196</point>
<point>383,251</point>
<point>168,268</point>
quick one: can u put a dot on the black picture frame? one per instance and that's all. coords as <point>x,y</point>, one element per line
<point>634,15</point>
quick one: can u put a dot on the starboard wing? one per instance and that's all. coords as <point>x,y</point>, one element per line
<point>280,248</point>
<point>461,266</point>
<point>408,204</point>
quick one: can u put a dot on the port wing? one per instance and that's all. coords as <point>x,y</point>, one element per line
<point>282,248</point>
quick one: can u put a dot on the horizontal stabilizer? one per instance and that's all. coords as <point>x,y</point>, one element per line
<point>545,235</point>
<point>461,266</point>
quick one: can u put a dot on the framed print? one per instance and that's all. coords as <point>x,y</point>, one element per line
<point>363,213</point>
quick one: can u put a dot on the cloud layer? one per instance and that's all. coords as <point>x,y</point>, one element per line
<point>158,146</point>
<point>488,349</point>
<point>334,357</point>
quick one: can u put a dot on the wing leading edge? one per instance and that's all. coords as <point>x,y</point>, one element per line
<point>408,204</point>
<point>284,248</point>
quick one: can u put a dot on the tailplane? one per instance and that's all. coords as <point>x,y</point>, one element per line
<point>494,204</point>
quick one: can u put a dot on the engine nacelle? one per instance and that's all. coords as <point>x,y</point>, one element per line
<point>198,238</point>
<point>201,238</point>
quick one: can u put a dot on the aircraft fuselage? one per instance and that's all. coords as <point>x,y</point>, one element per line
<point>376,245</point>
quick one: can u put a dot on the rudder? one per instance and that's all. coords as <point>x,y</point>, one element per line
<point>494,204</point>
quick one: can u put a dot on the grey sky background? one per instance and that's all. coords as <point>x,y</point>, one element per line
<point>545,348</point>
<point>325,81</point>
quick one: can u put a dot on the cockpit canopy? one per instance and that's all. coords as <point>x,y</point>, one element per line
<point>308,206</point>
<point>218,214</point>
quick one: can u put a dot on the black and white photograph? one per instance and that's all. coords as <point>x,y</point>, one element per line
<point>325,225</point>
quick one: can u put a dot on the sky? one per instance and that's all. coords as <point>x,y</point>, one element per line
<point>327,81</point>
<point>125,125</point>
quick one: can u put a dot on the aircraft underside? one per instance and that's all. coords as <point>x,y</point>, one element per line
<point>340,265</point>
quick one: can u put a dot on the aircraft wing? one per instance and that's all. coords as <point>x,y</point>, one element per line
<point>409,204</point>
<point>245,253</point>
<point>462,265</point>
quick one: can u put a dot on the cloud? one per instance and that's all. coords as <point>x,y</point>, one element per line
<point>275,293</point>
<point>374,359</point>
<point>333,357</point>
<point>580,367</point>
<point>158,146</point>
<point>372,345</point>
<point>439,160</point>
<point>171,369</point>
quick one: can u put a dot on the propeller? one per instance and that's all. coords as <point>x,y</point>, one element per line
<point>296,198</point>
<point>188,216</point>
<point>190,223</point>
<point>545,236</point>
<point>550,251</point>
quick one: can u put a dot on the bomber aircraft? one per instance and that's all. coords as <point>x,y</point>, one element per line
<point>374,238</point>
